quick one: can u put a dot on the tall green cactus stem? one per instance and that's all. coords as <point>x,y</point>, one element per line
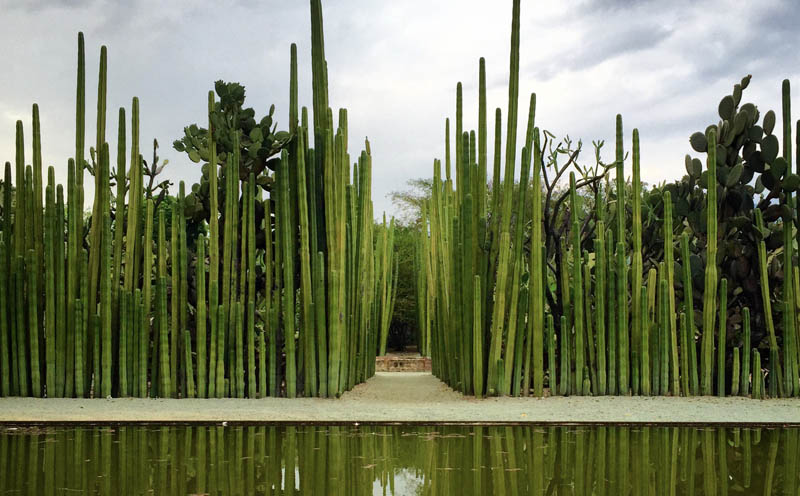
<point>134,206</point>
<point>252,384</point>
<point>669,266</point>
<point>220,364</point>
<point>175,269</point>
<point>498,319</point>
<point>654,330</point>
<point>577,287</point>
<point>105,306</point>
<point>213,248</point>
<point>612,314</point>
<point>239,352</point>
<point>147,285</point>
<point>789,364</point>
<point>722,336</point>
<point>517,262</point>
<point>75,218</point>
<point>122,343</point>
<point>551,356</point>
<point>477,336</point>
<point>201,317</point>
<point>78,326</point>
<point>565,366</point>
<point>5,352</point>
<point>308,327</point>
<point>100,206</point>
<point>757,375</point>
<point>735,373</point>
<point>790,335</point>
<point>7,326</point>
<point>119,218</point>
<point>600,306</point>
<point>684,356</point>
<point>65,346</point>
<point>319,315</point>
<point>31,267</point>
<point>536,323</point>
<point>765,292</point>
<point>51,359</point>
<point>688,309</point>
<point>744,382</point>
<point>786,120</point>
<point>165,384</point>
<point>565,293</point>
<point>288,278</point>
<point>622,326</point>
<point>622,269</point>
<point>644,343</point>
<point>183,261</point>
<point>36,205</point>
<point>262,366</point>
<point>161,357</point>
<point>511,130</point>
<point>710,287</point>
<point>22,355</point>
<point>590,335</point>
<point>143,342</point>
<point>187,350</point>
<point>775,380</point>
<point>663,336</point>
<point>636,263</point>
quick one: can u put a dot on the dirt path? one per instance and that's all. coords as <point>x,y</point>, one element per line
<point>408,397</point>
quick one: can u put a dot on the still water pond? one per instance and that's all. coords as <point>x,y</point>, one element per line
<point>355,460</point>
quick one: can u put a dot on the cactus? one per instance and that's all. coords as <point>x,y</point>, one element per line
<point>577,285</point>
<point>600,307</point>
<point>613,323</point>
<point>565,367</point>
<point>201,318</point>
<point>484,309</point>
<point>723,314</point>
<point>636,263</point>
<point>710,287</point>
<point>744,383</point>
<point>105,310</point>
<point>644,338</point>
<point>551,355</point>
<point>670,276</point>
<point>735,373</point>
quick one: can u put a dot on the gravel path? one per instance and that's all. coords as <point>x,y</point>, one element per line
<point>408,397</point>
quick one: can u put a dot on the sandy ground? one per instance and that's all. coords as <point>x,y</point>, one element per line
<point>408,397</point>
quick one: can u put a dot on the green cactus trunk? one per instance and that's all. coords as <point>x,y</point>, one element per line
<point>600,307</point>
<point>744,382</point>
<point>710,287</point>
<point>722,336</point>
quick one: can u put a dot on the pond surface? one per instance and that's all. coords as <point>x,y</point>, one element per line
<point>355,460</point>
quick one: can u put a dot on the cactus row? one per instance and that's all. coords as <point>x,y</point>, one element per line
<point>595,320</point>
<point>289,295</point>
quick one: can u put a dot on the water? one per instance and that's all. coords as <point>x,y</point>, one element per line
<point>355,460</point>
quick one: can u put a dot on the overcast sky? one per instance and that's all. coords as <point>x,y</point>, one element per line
<point>394,65</point>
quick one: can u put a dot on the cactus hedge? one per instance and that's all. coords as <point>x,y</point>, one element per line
<point>622,317</point>
<point>285,287</point>
<point>276,281</point>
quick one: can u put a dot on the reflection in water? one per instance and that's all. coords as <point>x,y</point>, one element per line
<point>347,460</point>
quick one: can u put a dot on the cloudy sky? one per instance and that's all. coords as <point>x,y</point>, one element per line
<point>394,65</point>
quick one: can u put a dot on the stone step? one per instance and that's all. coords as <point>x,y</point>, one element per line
<point>402,362</point>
